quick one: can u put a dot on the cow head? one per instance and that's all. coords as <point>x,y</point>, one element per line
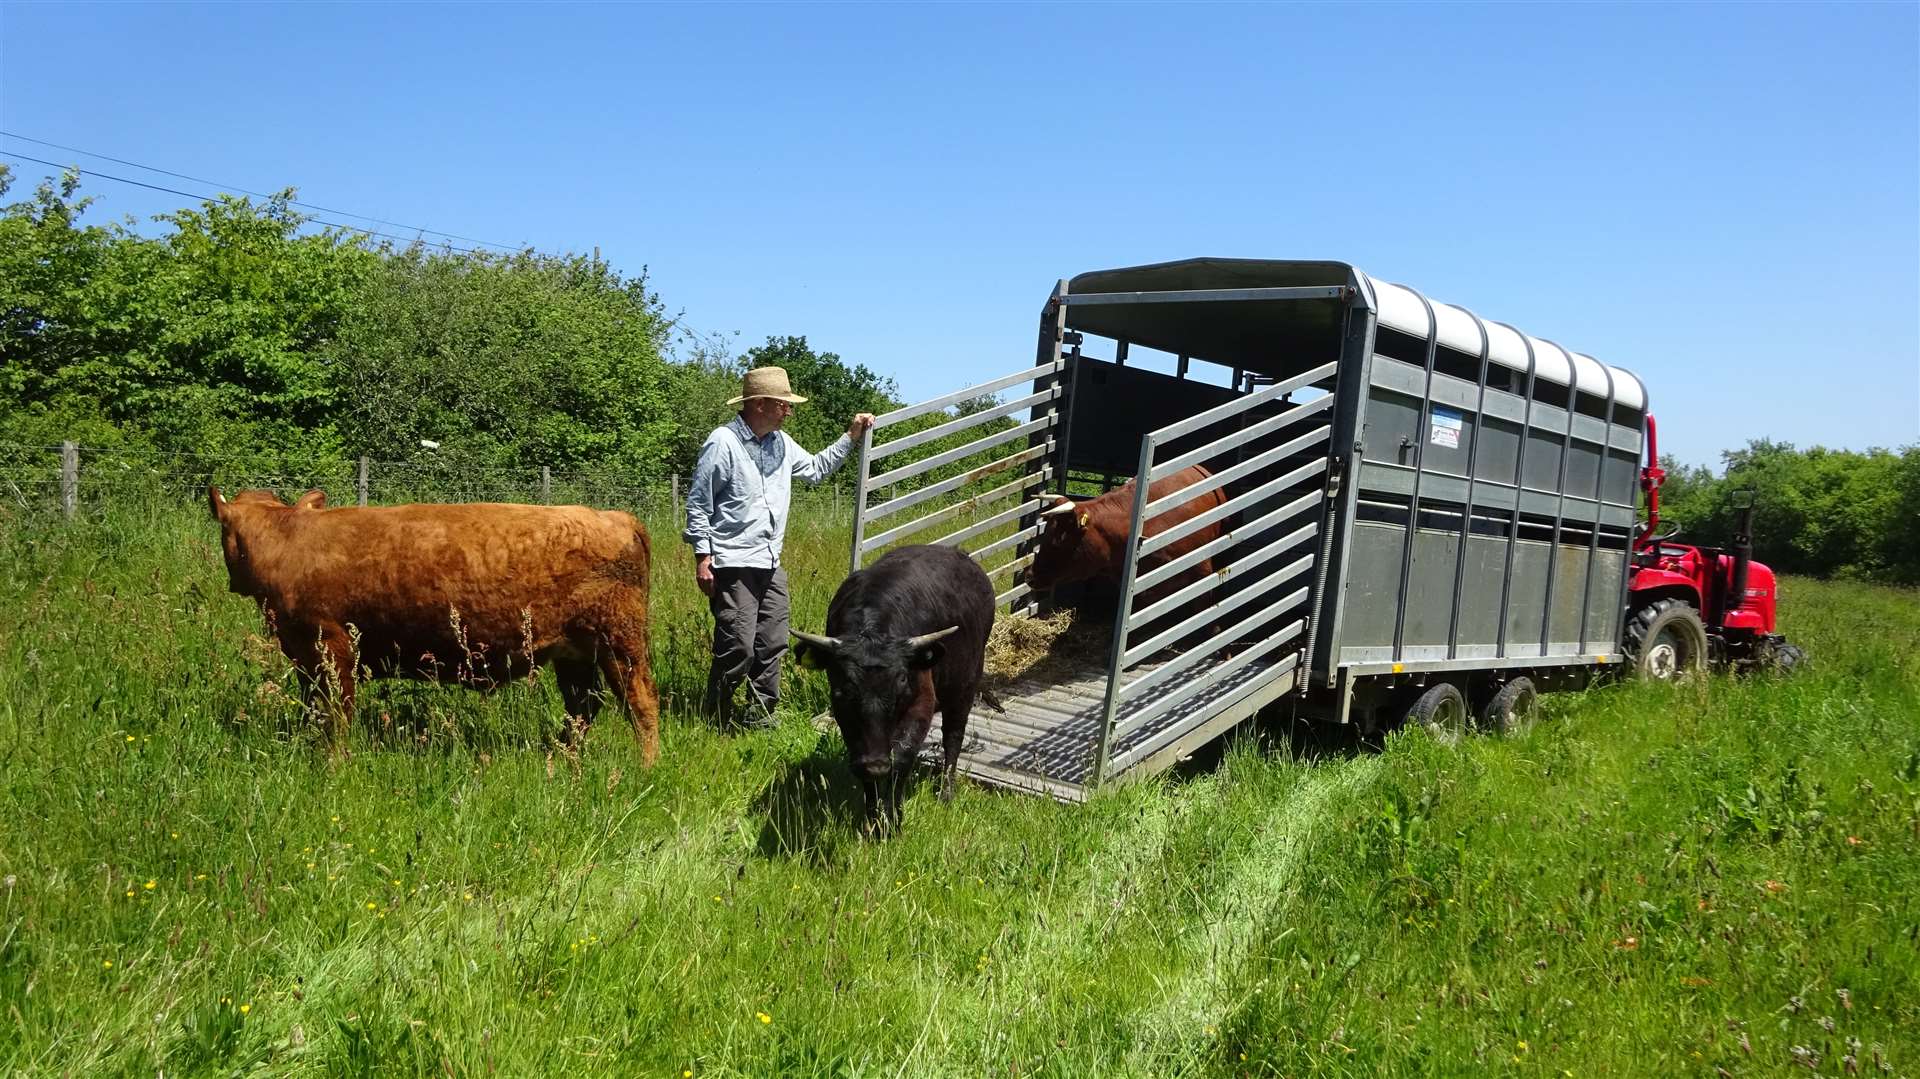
<point>1070,548</point>
<point>246,530</point>
<point>882,692</point>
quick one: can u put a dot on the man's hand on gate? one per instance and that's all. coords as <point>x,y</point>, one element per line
<point>703,573</point>
<point>861,421</point>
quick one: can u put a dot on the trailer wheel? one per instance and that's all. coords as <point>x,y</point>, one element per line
<point>1442,711</point>
<point>1667,640</point>
<point>1510,708</point>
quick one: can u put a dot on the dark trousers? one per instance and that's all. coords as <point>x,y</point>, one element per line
<point>749,637</point>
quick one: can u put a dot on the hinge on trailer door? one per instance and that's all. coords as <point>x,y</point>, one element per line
<point>1336,468</point>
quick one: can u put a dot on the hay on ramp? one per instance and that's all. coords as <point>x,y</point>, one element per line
<point>1022,647</point>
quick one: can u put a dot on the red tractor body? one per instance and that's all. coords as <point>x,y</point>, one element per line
<point>1690,605</point>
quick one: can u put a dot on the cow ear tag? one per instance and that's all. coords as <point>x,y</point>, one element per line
<point>1083,520</point>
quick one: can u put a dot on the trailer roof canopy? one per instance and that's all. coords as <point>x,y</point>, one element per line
<point>1278,335</point>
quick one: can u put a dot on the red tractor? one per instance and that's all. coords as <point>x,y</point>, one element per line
<point>1688,607</point>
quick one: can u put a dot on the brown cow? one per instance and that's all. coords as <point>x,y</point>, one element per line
<point>477,594</point>
<point>1082,541</point>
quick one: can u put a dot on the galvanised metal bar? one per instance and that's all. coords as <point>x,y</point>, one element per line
<point>947,513</point>
<point>971,419</point>
<point>1011,594</point>
<point>1002,544</point>
<point>1312,292</point>
<point>1192,656</point>
<point>860,498</point>
<point>1218,610</point>
<point>1519,488</point>
<point>947,486</point>
<point>907,472</point>
<point>1599,505</point>
<point>1136,755</point>
<point>1559,500</point>
<point>1422,432</point>
<point>1212,547</point>
<point>1026,374</point>
<point>1019,563</point>
<point>1129,570</point>
<point>1266,426</point>
<point>1266,553</point>
<point>1343,484</point>
<point>1233,505</point>
<point>1241,660</point>
<point>1473,470</point>
<point>988,525</point>
<point>1245,468</point>
<point>1234,408</point>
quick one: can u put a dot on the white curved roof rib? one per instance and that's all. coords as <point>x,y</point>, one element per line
<point>1401,308</point>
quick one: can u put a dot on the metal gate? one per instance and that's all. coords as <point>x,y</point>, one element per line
<point>1023,449</point>
<point>1251,612</point>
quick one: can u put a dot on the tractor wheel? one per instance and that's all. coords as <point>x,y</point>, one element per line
<point>1788,658</point>
<point>1511,708</point>
<point>1442,711</point>
<point>1667,640</point>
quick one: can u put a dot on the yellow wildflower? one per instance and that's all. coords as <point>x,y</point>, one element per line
<point>151,884</point>
<point>106,964</point>
<point>763,1017</point>
<point>245,1008</point>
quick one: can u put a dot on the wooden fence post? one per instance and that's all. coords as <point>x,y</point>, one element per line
<point>546,483</point>
<point>69,479</point>
<point>362,485</point>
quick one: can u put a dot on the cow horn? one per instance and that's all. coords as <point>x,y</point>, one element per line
<point>928,638</point>
<point>1065,506</point>
<point>828,643</point>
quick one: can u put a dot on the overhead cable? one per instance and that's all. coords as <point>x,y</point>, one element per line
<point>258,194</point>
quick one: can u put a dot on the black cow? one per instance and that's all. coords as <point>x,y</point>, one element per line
<point>905,636</point>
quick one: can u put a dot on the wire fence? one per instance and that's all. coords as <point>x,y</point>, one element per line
<point>74,481</point>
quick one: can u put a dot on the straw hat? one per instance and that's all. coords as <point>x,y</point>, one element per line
<point>767,382</point>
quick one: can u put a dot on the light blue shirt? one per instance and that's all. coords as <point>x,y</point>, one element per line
<point>742,491</point>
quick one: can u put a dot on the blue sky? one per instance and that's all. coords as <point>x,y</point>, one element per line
<point>1723,198</point>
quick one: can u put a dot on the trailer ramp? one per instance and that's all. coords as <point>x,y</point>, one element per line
<point>1195,654</point>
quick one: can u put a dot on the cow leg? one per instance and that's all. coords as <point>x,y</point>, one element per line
<point>630,674</point>
<point>953,738</point>
<point>576,678</point>
<point>323,657</point>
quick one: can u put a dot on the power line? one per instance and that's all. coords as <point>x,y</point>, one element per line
<point>258,194</point>
<point>192,195</point>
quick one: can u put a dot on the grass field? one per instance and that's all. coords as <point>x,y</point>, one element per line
<point>1719,878</point>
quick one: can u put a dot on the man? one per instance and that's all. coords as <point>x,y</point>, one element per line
<point>737,521</point>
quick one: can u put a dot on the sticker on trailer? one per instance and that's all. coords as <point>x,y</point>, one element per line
<point>1444,430</point>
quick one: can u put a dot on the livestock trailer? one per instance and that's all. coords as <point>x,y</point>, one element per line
<point>1414,494</point>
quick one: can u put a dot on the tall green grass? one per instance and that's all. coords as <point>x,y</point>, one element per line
<point>1650,880</point>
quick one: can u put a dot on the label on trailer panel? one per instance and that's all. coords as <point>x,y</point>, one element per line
<point>1444,430</point>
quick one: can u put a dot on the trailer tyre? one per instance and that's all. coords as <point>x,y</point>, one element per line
<point>1510,709</point>
<point>1442,711</point>
<point>1667,640</point>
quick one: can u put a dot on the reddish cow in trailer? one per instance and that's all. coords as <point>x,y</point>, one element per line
<point>1082,541</point>
<point>477,594</point>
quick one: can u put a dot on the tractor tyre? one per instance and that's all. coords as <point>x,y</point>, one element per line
<point>1667,640</point>
<point>1511,709</point>
<point>1442,711</point>
<point>1788,658</point>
